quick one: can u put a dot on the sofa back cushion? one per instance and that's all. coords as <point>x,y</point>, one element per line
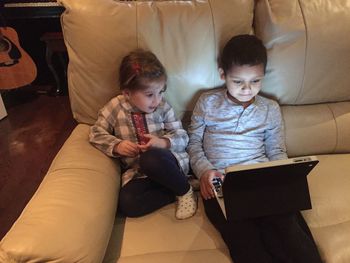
<point>309,57</point>
<point>308,70</point>
<point>308,48</point>
<point>185,35</point>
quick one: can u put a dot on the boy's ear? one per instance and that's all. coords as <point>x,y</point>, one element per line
<point>222,73</point>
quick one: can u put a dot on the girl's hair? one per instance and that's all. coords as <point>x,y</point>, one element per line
<point>243,50</point>
<point>138,66</point>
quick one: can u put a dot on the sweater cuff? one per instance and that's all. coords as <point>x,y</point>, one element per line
<point>199,171</point>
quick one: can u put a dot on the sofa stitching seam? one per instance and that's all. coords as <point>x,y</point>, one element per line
<point>214,34</point>
<point>336,128</point>
<point>305,53</point>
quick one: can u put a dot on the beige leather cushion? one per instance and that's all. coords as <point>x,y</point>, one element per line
<point>329,219</point>
<point>161,237</point>
<point>71,215</point>
<point>317,129</point>
<point>309,49</point>
<point>193,256</point>
<point>185,35</point>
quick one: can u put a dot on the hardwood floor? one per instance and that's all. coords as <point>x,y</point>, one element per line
<point>30,136</point>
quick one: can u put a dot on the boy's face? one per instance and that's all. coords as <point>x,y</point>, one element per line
<point>244,82</point>
<point>147,99</point>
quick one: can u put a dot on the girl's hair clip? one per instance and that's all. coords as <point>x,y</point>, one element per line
<point>136,68</point>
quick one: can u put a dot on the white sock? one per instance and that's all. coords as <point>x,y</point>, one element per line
<point>186,205</point>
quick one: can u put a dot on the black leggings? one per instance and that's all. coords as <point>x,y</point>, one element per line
<point>163,183</point>
<point>271,239</point>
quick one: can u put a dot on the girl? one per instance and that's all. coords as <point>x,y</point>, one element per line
<point>140,128</point>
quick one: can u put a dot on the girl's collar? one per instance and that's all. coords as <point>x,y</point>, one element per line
<point>127,105</point>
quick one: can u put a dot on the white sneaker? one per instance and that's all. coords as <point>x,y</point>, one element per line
<point>186,205</point>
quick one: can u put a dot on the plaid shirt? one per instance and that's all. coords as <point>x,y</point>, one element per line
<point>114,124</point>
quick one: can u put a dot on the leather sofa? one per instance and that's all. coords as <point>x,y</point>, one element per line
<point>73,215</point>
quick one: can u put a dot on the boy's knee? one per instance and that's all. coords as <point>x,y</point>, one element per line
<point>287,223</point>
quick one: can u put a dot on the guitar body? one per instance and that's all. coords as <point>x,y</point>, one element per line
<point>17,69</point>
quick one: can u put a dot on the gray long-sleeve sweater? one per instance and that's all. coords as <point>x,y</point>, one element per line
<point>223,133</point>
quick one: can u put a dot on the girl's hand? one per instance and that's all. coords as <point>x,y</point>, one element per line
<point>154,141</point>
<point>126,148</point>
<point>206,185</point>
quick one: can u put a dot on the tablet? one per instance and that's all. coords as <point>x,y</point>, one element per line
<point>262,189</point>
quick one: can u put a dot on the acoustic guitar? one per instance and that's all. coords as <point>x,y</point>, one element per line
<point>17,69</point>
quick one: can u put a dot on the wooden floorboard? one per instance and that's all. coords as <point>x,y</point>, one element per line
<point>30,136</point>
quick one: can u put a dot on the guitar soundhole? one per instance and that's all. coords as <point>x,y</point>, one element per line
<point>4,45</point>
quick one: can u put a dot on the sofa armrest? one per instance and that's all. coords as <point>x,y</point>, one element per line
<point>70,217</point>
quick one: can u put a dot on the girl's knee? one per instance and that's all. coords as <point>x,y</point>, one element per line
<point>128,205</point>
<point>153,158</point>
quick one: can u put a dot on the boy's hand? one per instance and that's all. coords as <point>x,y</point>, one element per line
<point>154,141</point>
<point>206,185</point>
<point>126,148</point>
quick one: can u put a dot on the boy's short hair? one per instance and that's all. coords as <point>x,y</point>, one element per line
<point>243,50</point>
<point>137,66</point>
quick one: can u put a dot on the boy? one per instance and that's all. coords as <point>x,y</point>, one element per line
<point>234,125</point>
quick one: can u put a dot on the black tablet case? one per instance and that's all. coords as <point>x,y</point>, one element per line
<point>267,191</point>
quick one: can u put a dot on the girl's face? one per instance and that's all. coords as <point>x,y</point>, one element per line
<point>244,82</point>
<point>147,99</point>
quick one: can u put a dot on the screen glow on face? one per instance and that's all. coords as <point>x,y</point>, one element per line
<point>244,82</point>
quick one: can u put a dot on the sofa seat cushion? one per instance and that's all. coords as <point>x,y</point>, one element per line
<point>160,235</point>
<point>329,188</point>
<point>207,255</point>
<point>329,219</point>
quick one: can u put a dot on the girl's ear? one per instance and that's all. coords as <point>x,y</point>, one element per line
<point>222,73</point>
<point>126,93</point>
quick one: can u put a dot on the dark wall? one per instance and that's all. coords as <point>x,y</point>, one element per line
<point>29,31</point>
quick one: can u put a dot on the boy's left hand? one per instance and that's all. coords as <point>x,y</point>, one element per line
<point>206,183</point>
<point>154,141</point>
